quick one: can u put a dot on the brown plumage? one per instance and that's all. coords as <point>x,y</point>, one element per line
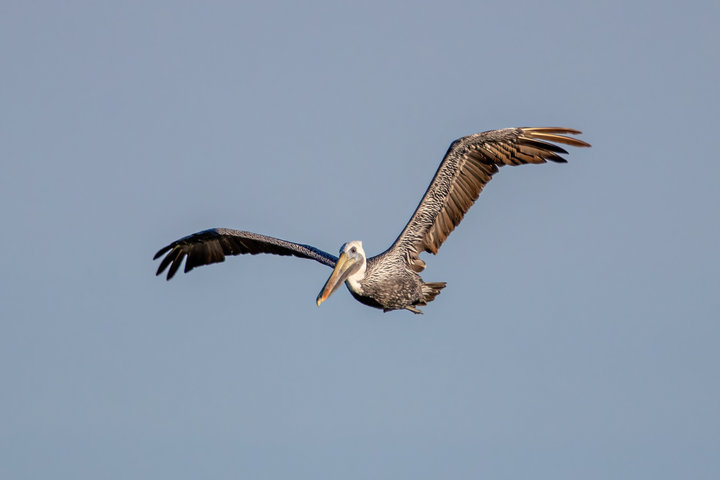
<point>390,280</point>
<point>468,166</point>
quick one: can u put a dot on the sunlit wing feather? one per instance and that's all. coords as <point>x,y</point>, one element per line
<point>468,166</point>
<point>211,246</point>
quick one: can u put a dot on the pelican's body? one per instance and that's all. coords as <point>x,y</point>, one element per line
<point>382,283</point>
<point>391,280</point>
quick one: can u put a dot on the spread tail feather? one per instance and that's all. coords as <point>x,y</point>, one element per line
<point>430,290</point>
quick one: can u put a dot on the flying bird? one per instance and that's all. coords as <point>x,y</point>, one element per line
<point>391,280</point>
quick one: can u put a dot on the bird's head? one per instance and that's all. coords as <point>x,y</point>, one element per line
<point>350,268</point>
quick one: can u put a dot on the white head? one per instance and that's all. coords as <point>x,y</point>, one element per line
<point>349,268</point>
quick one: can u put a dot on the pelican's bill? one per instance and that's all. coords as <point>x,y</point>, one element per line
<point>344,267</point>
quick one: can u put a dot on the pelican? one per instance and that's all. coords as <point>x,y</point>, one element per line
<point>391,280</point>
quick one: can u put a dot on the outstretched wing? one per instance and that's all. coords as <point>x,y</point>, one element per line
<point>468,166</point>
<point>211,246</point>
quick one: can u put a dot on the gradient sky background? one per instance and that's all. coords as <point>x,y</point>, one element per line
<point>579,334</point>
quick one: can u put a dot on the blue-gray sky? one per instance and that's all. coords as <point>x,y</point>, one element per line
<point>578,336</point>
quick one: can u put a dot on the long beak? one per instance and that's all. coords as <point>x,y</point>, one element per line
<point>343,269</point>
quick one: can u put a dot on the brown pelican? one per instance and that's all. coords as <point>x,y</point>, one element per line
<point>390,280</point>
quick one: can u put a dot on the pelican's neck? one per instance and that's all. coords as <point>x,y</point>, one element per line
<point>353,281</point>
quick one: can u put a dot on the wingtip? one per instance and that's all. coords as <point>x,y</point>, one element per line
<point>160,271</point>
<point>582,143</point>
<point>162,251</point>
<point>551,134</point>
<point>570,131</point>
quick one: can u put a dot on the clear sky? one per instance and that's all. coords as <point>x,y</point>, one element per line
<point>578,336</point>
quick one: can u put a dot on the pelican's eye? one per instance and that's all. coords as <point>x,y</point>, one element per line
<point>353,250</point>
